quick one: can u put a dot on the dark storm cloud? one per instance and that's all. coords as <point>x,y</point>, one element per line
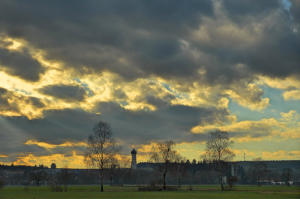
<point>136,39</point>
<point>159,102</point>
<point>295,11</point>
<point>65,92</point>
<point>168,122</point>
<point>12,139</point>
<point>97,34</point>
<point>249,7</point>
<point>130,127</point>
<point>139,38</point>
<point>56,127</point>
<point>277,57</point>
<point>20,64</point>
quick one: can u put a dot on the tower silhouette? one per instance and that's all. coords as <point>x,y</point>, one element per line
<point>133,159</point>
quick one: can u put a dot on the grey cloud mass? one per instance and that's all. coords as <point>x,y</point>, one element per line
<point>222,44</point>
<point>20,64</point>
<point>139,38</point>
<point>295,10</point>
<point>58,126</point>
<point>168,122</point>
<point>65,92</point>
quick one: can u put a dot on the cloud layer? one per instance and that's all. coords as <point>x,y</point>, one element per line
<point>155,70</point>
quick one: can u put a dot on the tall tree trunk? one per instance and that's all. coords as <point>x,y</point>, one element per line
<point>164,180</point>
<point>101,185</point>
<point>220,170</point>
<point>221,183</point>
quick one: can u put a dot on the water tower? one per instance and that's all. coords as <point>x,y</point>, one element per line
<point>133,159</point>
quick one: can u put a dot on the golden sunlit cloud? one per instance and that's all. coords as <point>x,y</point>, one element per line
<point>61,160</point>
<point>290,116</point>
<point>281,155</point>
<point>290,85</point>
<point>283,84</point>
<point>290,133</point>
<point>266,155</point>
<point>151,92</point>
<point>11,43</point>
<point>292,95</point>
<point>287,127</point>
<point>188,150</point>
<point>17,104</point>
<point>52,146</point>
<point>243,126</point>
<point>109,87</point>
<point>248,98</point>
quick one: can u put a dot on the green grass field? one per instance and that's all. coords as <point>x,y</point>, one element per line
<point>130,192</point>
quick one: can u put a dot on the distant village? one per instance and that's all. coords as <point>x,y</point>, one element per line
<point>180,173</point>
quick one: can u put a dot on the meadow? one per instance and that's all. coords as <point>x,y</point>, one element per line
<point>131,192</point>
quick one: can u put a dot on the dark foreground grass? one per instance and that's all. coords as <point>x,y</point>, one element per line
<point>130,192</point>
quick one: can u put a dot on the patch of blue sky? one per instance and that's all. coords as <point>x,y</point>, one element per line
<point>22,91</point>
<point>278,103</point>
<point>85,86</point>
<point>77,80</point>
<point>286,4</point>
<point>124,103</point>
<point>176,94</point>
<point>244,113</point>
<point>276,106</point>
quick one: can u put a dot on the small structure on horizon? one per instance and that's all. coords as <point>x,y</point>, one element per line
<point>133,159</point>
<point>53,166</point>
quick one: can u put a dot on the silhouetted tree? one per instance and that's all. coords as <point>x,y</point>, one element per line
<point>218,151</point>
<point>101,149</point>
<point>194,162</point>
<point>164,153</point>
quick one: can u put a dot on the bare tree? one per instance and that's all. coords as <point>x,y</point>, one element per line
<point>101,149</point>
<point>218,151</point>
<point>164,153</point>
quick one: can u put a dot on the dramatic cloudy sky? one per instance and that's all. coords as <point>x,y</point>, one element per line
<point>155,70</point>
